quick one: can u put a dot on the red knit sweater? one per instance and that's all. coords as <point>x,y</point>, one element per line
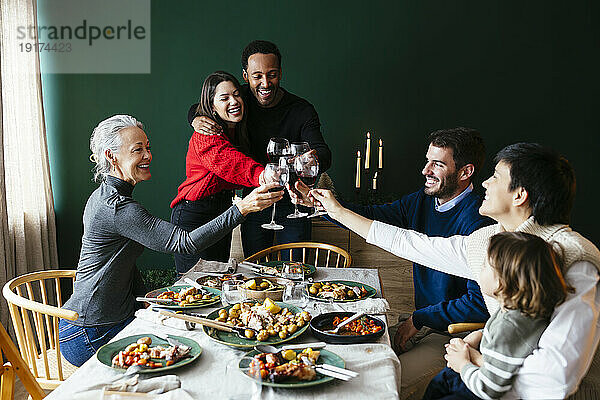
<point>213,164</point>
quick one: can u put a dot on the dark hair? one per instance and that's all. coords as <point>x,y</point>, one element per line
<point>547,177</point>
<point>466,144</point>
<point>529,273</point>
<point>205,106</point>
<point>207,96</point>
<point>259,46</point>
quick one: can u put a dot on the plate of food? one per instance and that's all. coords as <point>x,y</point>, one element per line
<point>184,297</point>
<point>340,291</point>
<point>364,329</point>
<point>151,353</point>
<point>270,322</point>
<point>287,369</point>
<point>274,268</point>
<point>216,281</point>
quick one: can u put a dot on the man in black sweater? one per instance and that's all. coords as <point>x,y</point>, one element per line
<point>271,112</point>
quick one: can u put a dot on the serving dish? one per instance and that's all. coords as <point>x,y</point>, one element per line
<point>232,339</point>
<point>260,288</point>
<point>324,322</point>
<point>365,290</point>
<point>215,281</point>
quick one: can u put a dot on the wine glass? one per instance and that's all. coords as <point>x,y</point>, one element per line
<point>275,173</point>
<point>296,149</point>
<point>307,169</point>
<point>277,148</point>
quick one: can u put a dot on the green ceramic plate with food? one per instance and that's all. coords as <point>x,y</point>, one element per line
<point>130,347</point>
<point>340,291</point>
<point>184,297</point>
<point>325,357</point>
<point>309,270</point>
<point>274,322</point>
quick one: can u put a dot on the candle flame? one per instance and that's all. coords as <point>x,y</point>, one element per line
<point>358,153</point>
<point>380,142</point>
<point>375,177</point>
<point>368,135</point>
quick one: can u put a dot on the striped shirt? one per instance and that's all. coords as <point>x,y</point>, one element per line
<point>508,338</point>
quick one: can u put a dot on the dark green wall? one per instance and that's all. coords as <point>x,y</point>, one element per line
<point>518,71</point>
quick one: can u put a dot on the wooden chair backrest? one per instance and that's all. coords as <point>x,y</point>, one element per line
<point>35,301</point>
<point>15,365</point>
<point>317,254</point>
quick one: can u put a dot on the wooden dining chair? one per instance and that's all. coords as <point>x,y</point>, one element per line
<point>35,301</point>
<point>465,327</point>
<point>317,254</point>
<point>15,365</point>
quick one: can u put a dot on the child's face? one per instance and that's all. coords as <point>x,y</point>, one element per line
<point>488,280</point>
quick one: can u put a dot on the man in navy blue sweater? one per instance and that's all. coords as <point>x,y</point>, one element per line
<point>445,206</point>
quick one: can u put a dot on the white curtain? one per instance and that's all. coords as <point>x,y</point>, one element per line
<point>27,228</point>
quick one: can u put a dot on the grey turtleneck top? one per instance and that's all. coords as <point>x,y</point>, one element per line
<point>116,228</point>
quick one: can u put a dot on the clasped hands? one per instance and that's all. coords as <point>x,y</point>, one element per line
<point>460,352</point>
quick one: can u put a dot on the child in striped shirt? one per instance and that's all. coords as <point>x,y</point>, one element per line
<point>524,274</point>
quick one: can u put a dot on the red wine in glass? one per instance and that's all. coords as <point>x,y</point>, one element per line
<point>276,189</point>
<point>308,180</point>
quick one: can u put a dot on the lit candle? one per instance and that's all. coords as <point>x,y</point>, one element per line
<point>358,169</point>
<point>375,181</point>
<point>380,154</point>
<point>368,152</point>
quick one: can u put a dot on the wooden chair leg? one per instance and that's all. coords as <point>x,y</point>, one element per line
<point>7,382</point>
<point>19,367</point>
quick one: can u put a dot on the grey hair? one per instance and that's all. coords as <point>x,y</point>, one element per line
<point>106,137</point>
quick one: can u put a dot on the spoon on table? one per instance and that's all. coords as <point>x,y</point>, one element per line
<point>267,348</point>
<point>346,322</point>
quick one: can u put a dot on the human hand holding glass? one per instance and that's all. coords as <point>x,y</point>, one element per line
<point>307,169</point>
<point>296,149</point>
<point>280,174</point>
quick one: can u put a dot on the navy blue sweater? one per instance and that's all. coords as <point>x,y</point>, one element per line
<point>440,299</point>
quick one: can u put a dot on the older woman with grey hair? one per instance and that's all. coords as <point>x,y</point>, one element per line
<point>116,229</point>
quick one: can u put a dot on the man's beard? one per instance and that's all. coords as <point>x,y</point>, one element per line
<point>448,186</point>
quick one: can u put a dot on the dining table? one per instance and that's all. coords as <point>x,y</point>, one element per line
<point>216,375</point>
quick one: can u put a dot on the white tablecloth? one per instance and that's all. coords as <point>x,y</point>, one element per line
<point>215,375</point>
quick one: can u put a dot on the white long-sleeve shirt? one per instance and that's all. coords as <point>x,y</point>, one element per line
<point>566,347</point>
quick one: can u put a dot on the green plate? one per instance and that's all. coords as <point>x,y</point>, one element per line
<point>326,357</point>
<point>106,353</point>
<point>371,291</point>
<point>174,306</point>
<point>233,340</point>
<point>309,270</point>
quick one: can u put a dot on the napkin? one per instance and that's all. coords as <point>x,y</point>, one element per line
<point>134,383</point>
<point>147,314</point>
<point>215,266</point>
<point>370,306</point>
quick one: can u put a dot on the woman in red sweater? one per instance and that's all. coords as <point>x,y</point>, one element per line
<point>215,165</point>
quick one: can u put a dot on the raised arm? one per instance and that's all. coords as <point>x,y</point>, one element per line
<point>135,222</point>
